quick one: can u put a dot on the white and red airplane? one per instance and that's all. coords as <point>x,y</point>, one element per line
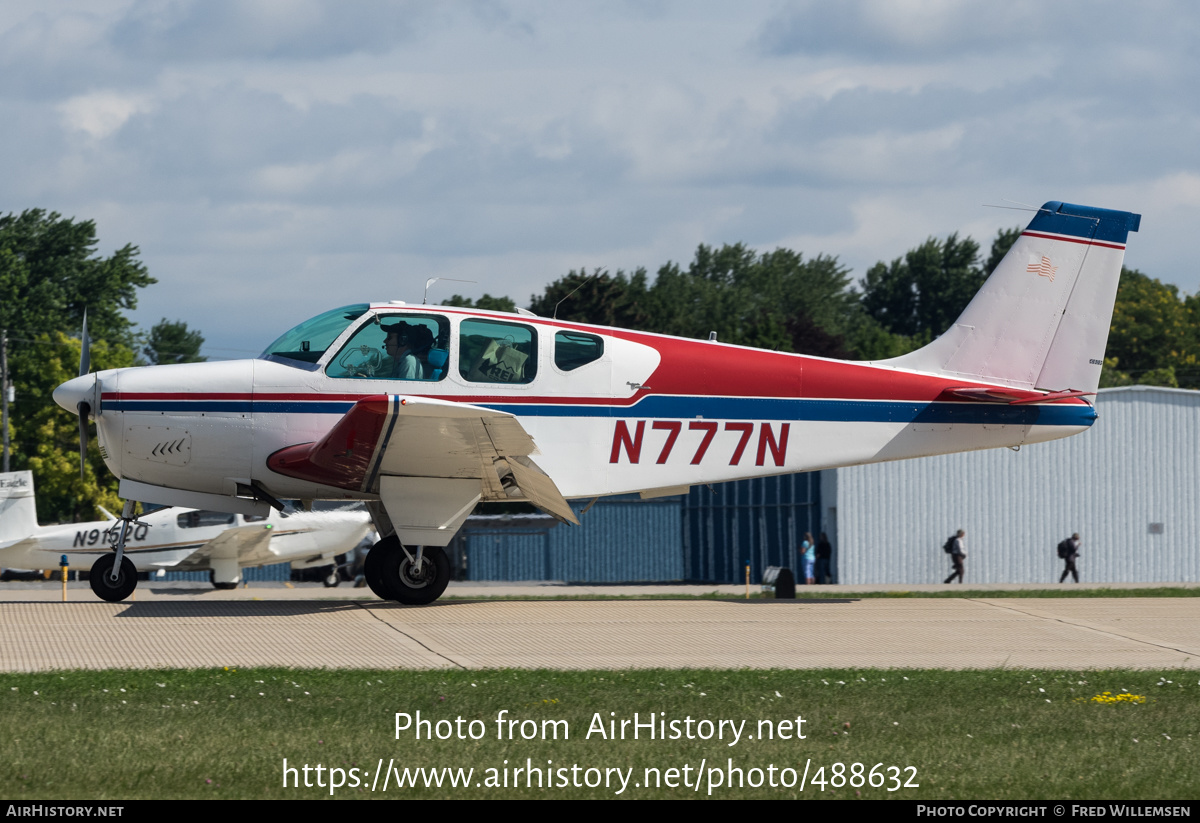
<point>425,411</point>
<point>176,539</point>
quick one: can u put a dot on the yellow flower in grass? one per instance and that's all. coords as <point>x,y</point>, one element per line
<point>1124,697</point>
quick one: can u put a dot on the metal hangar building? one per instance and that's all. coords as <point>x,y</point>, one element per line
<point>1130,487</point>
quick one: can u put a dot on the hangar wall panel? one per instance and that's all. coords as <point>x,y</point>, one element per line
<point>759,522</point>
<point>621,539</point>
<point>1130,486</point>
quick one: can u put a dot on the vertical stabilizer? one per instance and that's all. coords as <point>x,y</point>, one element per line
<point>18,513</point>
<point>1041,319</point>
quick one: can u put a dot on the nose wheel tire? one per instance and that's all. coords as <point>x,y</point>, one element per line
<point>104,586</point>
<point>332,579</point>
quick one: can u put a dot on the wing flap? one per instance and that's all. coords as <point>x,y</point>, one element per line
<point>539,489</point>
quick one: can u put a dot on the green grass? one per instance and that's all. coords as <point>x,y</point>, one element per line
<point>989,734</point>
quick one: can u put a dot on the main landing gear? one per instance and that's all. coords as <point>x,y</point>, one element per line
<point>414,578</point>
<point>221,585</point>
<point>113,576</point>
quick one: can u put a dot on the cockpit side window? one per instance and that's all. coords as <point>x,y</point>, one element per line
<point>493,351</point>
<point>305,344</point>
<point>573,349</point>
<point>395,347</point>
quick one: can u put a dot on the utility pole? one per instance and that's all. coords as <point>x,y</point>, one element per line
<point>5,390</point>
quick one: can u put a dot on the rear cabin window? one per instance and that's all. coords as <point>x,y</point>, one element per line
<point>492,351</point>
<point>398,347</point>
<point>573,349</point>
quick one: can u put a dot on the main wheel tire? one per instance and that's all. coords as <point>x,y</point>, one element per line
<point>373,566</point>
<point>212,578</point>
<point>103,585</point>
<point>414,588</point>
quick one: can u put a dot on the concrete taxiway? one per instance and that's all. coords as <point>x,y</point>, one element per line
<point>184,626</point>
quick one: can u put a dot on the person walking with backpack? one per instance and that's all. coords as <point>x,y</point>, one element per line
<point>956,547</point>
<point>1068,550</point>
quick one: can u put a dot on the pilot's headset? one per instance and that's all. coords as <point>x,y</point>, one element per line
<point>402,330</point>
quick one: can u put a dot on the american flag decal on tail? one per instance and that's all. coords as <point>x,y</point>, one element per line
<point>1042,269</point>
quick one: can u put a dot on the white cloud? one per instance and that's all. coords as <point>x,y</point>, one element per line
<point>101,113</point>
<point>316,153</point>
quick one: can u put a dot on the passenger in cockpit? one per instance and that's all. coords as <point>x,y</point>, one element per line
<point>420,341</point>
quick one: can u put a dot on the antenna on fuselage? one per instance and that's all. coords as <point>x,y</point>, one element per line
<point>432,280</point>
<point>1017,205</point>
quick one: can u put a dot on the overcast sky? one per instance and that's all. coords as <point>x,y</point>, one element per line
<point>275,158</point>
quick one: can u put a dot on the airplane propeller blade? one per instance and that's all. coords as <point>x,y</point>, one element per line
<point>85,408</point>
<point>85,351</point>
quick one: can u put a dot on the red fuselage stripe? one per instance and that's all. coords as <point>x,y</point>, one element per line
<point>1066,239</point>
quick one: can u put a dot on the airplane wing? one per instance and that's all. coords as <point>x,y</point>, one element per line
<point>248,545</point>
<point>435,458</point>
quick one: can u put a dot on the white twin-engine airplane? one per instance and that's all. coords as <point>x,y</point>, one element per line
<point>424,411</point>
<point>176,539</point>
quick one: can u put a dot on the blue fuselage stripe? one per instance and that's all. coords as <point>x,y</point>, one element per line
<point>718,408</point>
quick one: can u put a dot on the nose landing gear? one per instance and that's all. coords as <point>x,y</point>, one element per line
<point>113,576</point>
<point>109,586</point>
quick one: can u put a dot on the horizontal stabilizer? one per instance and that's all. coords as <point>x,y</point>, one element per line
<point>1013,397</point>
<point>18,512</point>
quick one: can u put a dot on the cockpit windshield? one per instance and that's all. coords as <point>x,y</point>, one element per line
<point>304,345</point>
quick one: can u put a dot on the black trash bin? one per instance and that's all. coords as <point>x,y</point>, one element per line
<point>785,585</point>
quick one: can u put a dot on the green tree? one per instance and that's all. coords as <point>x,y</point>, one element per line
<point>487,303</point>
<point>172,342</point>
<point>924,291</point>
<point>49,274</point>
<point>600,298</point>
<point>53,457</point>
<point>775,300</point>
<point>1155,335</point>
<point>1000,246</point>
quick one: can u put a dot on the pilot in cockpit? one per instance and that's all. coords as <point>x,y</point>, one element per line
<point>398,345</point>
